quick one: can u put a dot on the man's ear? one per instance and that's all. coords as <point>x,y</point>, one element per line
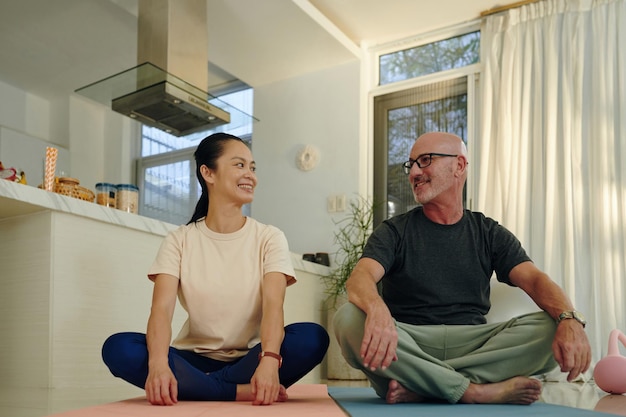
<point>462,165</point>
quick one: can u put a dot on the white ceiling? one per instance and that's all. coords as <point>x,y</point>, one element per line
<point>53,47</point>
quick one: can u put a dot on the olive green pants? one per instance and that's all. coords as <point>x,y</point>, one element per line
<point>440,361</point>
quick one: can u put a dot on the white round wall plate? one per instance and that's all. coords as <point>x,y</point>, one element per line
<point>307,158</point>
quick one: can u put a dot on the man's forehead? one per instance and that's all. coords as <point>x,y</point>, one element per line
<point>427,145</point>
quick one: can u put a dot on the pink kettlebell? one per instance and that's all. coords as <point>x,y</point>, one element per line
<point>610,371</point>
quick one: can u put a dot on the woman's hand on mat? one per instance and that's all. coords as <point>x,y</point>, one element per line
<point>571,348</point>
<point>265,384</point>
<point>380,339</point>
<point>161,386</point>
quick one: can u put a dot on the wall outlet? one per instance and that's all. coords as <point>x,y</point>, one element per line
<point>331,204</point>
<point>335,203</point>
<point>341,202</point>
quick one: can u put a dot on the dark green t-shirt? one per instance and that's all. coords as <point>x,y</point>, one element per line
<point>439,274</point>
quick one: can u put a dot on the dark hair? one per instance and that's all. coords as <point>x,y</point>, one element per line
<point>207,153</point>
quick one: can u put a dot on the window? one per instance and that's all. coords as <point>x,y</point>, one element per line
<point>441,103</point>
<point>456,52</point>
<point>166,172</point>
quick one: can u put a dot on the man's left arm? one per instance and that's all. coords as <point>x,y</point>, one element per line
<point>570,346</point>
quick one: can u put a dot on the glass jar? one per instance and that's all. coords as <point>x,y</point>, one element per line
<point>127,198</point>
<point>105,194</point>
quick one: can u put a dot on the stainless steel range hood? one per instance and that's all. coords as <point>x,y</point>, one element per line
<point>171,108</point>
<point>167,90</point>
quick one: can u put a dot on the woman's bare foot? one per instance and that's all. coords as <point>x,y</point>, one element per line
<point>517,390</point>
<point>244,393</point>
<point>282,395</point>
<point>399,394</point>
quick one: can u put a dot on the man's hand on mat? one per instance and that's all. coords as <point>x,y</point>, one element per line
<point>380,339</point>
<point>161,386</point>
<point>571,348</point>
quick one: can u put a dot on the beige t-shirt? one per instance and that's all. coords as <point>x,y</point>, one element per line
<point>220,283</point>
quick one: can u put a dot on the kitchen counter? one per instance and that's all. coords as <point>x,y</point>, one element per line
<point>19,199</point>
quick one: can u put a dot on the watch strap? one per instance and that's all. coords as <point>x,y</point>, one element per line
<point>572,315</point>
<point>276,356</point>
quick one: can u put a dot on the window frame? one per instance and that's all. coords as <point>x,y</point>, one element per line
<point>375,52</point>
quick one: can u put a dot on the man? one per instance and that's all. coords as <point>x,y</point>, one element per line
<point>425,337</point>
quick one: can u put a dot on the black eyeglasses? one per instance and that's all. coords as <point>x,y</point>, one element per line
<point>423,161</point>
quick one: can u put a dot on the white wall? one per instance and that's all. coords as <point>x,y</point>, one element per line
<point>25,113</point>
<point>103,143</point>
<point>319,109</point>
<point>27,153</point>
<point>25,133</point>
<point>95,144</point>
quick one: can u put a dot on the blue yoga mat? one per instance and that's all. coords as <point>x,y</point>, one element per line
<point>363,402</point>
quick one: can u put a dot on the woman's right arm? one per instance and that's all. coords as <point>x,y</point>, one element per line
<point>161,386</point>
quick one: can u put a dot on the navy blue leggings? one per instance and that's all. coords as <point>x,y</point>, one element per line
<point>204,379</point>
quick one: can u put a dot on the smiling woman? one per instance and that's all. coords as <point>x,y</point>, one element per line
<point>230,274</point>
<point>224,164</point>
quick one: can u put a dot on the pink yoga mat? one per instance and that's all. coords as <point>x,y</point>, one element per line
<point>304,400</point>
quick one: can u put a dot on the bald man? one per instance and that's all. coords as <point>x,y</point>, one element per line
<point>425,336</point>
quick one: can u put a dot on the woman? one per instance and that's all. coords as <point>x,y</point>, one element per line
<point>230,273</point>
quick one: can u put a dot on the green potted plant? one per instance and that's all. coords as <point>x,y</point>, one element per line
<point>350,239</point>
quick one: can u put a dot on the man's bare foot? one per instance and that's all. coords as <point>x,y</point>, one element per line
<point>399,394</point>
<point>517,390</point>
<point>244,393</point>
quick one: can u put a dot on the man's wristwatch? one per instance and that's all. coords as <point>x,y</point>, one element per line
<point>576,315</point>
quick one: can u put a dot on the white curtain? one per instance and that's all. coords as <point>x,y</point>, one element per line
<point>552,162</point>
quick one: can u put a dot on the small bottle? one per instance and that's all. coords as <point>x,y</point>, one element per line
<point>128,198</point>
<point>105,194</point>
